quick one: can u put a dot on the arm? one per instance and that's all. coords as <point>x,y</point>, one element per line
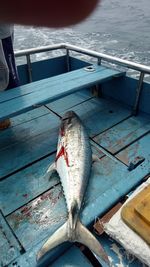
<point>51,13</point>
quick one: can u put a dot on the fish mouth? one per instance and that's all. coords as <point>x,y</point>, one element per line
<point>68,115</point>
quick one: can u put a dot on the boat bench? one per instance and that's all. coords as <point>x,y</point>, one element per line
<point>24,98</point>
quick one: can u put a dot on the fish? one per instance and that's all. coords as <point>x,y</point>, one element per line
<point>73,164</point>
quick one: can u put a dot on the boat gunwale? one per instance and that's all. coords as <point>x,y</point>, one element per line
<point>100,56</point>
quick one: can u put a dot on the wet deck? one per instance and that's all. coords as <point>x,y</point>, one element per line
<point>32,206</point>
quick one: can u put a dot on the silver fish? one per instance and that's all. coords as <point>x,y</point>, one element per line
<point>73,164</point>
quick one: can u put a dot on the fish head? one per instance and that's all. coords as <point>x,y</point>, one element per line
<point>69,120</point>
<point>68,115</point>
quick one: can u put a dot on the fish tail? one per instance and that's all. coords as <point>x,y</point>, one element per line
<point>84,236</point>
<point>81,235</point>
<point>56,239</point>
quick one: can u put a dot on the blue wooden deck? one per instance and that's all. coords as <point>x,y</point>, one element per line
<point>32,206</point>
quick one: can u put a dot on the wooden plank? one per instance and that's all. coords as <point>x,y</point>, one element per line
<point>36,86</point>
<point>37,138</point>
<point>9,246</point>
<point>28,116</point>
<point>100,114</point>
<point>66,257</point>
<point>137,149</point>
<point>73,257</point>
<point>29,183</point>
<point>46,92</point>
<point>70,101</point>
<point>43,83</point>
<point>22,187</point>
<point>39,218</point>
<point>124,133</point>
<point>42,216</point>
<point>27,142</point>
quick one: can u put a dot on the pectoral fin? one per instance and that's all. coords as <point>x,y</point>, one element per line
<point>51,169</point>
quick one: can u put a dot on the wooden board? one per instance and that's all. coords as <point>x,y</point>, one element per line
<point>36,205</point>
<point>139,148</point>
<point>136,214</point>
<point>70,101</point>
<point>28,142</point>
<point>37,138</point>
<point>40,217</point>
<point>23,98</point>
<point>124,133</point>
<point>99,115</point>
<point>73,257</point>
<point>9,246</point>
<point>29,183</point>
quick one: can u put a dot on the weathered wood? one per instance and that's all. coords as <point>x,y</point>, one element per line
<point>34,139</point>
<point>140,148</point>
<point>73,257</point>
<point>38,219</point>
<point>100,114</point>
<point>27,142</point>
<point>9,246</point>
<point>24,98</point>
<point>69,101</point>
<point>65,257</point>
<point>124,133</point>
<point>36,205</point>
<point>28,116</point>
<point>29,183</point>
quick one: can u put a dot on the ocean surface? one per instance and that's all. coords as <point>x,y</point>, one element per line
<point>117,27</point>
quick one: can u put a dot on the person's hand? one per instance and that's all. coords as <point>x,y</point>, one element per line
<point>51,13</point>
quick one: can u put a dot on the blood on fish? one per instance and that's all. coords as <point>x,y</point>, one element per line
<point>63,152</point>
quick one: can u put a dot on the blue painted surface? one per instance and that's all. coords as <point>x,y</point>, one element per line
<point>25,185</point>
<point>36,138</point>
<point>28,116</point>
<point>73,257</point>
<point>100,114</point>
<point>45,214</point>
<point>67,102</point>
<point>42,69</point>
<point>124,90</point>
<point>28,142</point>
<point>124,133</point>
<point>49,67</point>
<point>138,149</point>
<point>29,183</point>
<point>9,246</point>
<point>23,98</point>
<point>33,205</point>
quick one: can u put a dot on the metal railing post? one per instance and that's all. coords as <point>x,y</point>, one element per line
<point>138,94</point>
<point>29,68</point>
<point>97,90</point>
<point>99,61</point>
<point>68,60</point>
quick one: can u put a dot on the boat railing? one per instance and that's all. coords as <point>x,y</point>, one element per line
<point>142,69</point>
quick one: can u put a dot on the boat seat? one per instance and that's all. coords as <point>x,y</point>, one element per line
<point>24,98</point>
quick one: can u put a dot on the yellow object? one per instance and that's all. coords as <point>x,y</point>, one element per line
<point>136,214</point>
